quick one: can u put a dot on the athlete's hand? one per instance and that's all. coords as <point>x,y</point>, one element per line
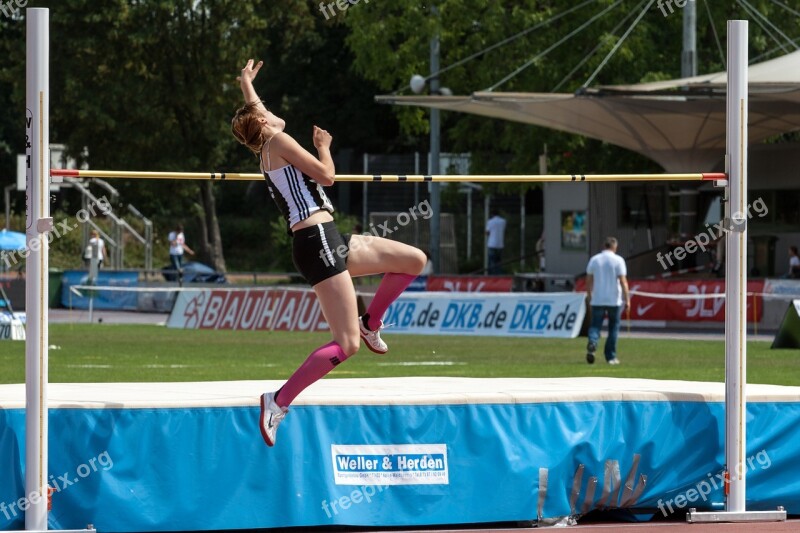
<point>322,139</point>
<point>249,72</point>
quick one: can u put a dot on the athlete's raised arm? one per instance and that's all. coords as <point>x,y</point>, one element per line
<point>320,170</point>
<point>249,73</point>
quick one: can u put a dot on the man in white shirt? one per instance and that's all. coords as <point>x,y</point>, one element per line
<point>177,247</point>
<point>607,290</point>
<point>495,232</point>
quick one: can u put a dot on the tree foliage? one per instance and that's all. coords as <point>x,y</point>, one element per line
<point>391,42</point>
<point>151,85</point>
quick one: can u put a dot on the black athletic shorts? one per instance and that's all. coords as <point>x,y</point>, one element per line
<point>320,252</point>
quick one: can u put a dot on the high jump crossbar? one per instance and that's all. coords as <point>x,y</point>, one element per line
<point>39,222</point>
<point>396,178</point>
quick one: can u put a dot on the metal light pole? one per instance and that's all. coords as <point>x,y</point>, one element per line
<point>689,56</point>
<point>688,195</point>
<point>433,169</point>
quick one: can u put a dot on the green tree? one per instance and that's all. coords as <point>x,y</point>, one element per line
<point>151,85</point>
<point>12,97</point>
<point>307,79</point>
<point>390,41</point>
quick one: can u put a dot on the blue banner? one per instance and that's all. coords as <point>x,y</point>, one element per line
<point>207,468</point>
<point>105,299</point>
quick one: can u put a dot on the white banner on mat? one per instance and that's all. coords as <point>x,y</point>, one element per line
<point>390,464</point>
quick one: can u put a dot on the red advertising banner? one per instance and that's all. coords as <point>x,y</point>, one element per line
<point>710,309</point>
<point>691,302</point>
<point>470,283</point>
<point>648,307</point>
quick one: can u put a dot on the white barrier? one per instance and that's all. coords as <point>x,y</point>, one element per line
<point>517,314</point>
<point>430,313</point>
<point>249,309</point>
<point>12,327</point>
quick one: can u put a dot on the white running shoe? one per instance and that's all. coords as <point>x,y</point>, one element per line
<point>372,338</point>
<point>614,361</point>
<point>271,416</point>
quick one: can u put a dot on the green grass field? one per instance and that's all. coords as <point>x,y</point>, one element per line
<point>113,353</point>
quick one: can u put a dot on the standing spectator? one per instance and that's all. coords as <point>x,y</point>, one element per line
<point>607,291</point>
<point>177,246</point>
<point>717,254</point>
<point>495,231</point>
<point>101,250</point>
<point>540,252</point>
<point>794,263</point>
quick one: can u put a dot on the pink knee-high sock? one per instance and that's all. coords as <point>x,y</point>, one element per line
<point>391,287</point>
<point>320,362</point>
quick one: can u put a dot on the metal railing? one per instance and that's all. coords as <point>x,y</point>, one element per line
<point>116,243</point>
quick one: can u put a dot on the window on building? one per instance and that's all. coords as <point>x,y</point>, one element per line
<point>774,210</point>
<point>640,204</point>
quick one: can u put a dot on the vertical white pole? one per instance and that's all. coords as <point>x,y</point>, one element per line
<point>435,239</point>
<point>38,200</point>
<point>736,267</point>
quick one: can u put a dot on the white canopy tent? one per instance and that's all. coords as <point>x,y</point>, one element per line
<point>680,123</point>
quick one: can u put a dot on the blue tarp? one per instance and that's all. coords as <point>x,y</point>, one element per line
<point>195,272</point>
<point>105,299</point>
<point>207,468</point>
<point>12,240</point>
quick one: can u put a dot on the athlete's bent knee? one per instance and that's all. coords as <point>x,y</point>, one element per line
<point>350,345</point>
<point>418,261</point>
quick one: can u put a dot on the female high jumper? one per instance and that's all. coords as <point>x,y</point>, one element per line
<point>295,179</point>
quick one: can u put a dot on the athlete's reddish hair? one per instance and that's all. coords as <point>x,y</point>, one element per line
<point>248,129</point>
